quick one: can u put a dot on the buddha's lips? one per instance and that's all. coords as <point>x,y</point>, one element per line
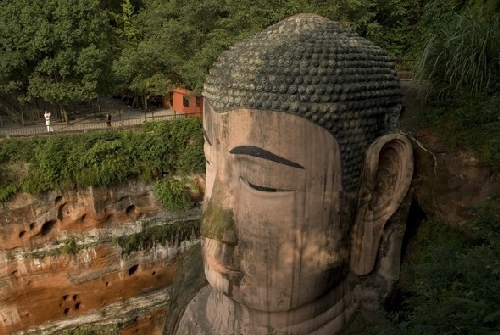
<point>220,268</point>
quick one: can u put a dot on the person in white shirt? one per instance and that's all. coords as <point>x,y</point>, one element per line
<point>47,121</point>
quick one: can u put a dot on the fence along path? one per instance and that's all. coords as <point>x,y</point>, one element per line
<point>122,116</point>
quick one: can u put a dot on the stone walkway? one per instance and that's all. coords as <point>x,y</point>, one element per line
<point>122,116</point>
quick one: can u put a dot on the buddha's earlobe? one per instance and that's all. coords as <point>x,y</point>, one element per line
<point>386,179</point>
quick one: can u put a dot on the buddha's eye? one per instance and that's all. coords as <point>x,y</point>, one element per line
<point>261,188</point>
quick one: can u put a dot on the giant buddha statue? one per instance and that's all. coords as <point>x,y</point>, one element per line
<point>304,167</point>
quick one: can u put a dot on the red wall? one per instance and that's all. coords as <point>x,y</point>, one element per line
<point>178,97</point>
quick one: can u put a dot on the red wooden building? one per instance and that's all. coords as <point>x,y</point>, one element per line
<point>185,102</point>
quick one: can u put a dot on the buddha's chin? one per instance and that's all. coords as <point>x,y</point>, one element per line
<point>218,275</point>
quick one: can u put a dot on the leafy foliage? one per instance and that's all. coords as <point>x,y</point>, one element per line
<point>172,194</point>
<point>54,50</point>
<point>154,152</point>
<point>450,280</point>
<point>173,232</point>
<point>68,247</point>
<point>177,47</point>
<point>61,52</point>
<point>460,51</point>
<point>474,124</point>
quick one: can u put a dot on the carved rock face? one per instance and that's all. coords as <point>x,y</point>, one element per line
<point>297,120</point>
<point>275,237</point>
<point>312,67</point>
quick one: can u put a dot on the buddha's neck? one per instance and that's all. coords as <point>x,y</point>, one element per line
<point>326,315</point>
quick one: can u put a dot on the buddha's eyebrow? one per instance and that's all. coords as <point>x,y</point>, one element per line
<point>264,154</point>
<point>206,137</point>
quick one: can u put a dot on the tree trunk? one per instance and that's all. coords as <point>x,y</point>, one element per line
<point>64,113</point>
<point>98,105</point>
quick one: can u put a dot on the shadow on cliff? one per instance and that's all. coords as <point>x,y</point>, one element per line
<point>188,281</point>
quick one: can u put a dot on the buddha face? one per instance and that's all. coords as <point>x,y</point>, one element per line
<point>275,229</point>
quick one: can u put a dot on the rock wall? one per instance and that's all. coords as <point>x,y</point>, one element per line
<point>83,257</point>
<point>447,181</point>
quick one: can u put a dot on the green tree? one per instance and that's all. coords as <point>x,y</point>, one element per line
<point>55,50</point>
<point>179,40</point>
<point>144,64</point>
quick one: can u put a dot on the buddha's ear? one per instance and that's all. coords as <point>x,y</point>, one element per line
<point>386,179</point>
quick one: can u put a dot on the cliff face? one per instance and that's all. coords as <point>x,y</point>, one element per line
<point>449,182</point>
<point>93,256</point>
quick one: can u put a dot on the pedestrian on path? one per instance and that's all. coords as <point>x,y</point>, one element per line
<point>108,120</point>
<point>47,121</point>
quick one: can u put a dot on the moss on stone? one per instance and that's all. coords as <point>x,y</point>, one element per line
<point>161,234</point>
<point>216,221</point>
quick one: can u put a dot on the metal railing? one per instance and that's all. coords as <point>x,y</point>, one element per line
<point>86,125</point>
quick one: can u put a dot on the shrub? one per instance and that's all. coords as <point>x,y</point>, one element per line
<point>451,284</point>
<point>169,232</point>
<point>62,162</point>
<point>474,124</point>
<point>172,194</point>
<point>460,51</point>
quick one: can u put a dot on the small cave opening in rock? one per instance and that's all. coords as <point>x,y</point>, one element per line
<point>65,297</point>
<point>47,227</point>
<point>107,283</point>
<point>75,296</point>
<point>60,211</point>
<point>130,210</point>
<point>58,198</point>
<point>14,272</point>
<point>22,233</point>
<point>32,225</point>
<point>132,270</point>
<point>66,310</point>
<point>153,273</point>
<point>77,305</point>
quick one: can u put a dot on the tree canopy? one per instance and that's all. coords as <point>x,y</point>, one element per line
<point>61,51</point>
<point>54,50</point>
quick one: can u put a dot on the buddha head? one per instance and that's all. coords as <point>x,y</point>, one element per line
<point>303,163</point>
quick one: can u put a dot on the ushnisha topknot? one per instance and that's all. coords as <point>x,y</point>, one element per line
<point>314,68</point>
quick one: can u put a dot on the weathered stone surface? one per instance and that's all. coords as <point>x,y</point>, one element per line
<point>188,280</point>
<point>449,182</point>
<point>61,266</point>
<point>300,182</point>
